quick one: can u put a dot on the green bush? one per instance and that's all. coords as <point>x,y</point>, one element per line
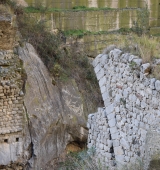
<point>79,7</point>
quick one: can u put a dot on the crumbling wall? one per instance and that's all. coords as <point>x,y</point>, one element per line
<point>131,108</point>
<point>12,120</point>
<point>12,117</point>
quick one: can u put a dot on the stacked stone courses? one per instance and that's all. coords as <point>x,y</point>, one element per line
<point>118,131</point>
<point>11,110</point>
<point>11,95</point>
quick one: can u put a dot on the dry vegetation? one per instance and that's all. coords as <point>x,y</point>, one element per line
<point>144,46</point>
<point>62,62</point>
<point>85,160</point>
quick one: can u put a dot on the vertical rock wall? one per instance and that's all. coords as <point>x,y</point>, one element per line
<point>95,21</point>
<point>131,109</point>
<point>89,3</point>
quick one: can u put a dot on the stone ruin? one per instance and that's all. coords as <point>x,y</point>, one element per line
<point>11,108</point>
<point>126,131</point>
<point>12,119</point>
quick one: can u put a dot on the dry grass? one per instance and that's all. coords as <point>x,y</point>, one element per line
<point>81,161</point>
<point>85,160</point>
<point>156,72</point>
<point>144,46</point>
<point>4,9</point>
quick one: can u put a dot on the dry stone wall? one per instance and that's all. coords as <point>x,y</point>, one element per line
<point>11,107</point>
<point>12,77</point>
<point>118,131</point>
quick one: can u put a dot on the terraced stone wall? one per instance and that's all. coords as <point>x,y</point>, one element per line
<point>94,21</point>
<point>90,3</point>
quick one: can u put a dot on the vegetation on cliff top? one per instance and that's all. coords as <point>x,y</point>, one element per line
<point>64,63</point>
<point>40,9</point>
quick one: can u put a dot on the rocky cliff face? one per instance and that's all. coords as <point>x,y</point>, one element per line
<point>56,115</point>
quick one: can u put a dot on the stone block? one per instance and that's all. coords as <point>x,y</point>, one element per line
<point>127,158</point>
<point>113,130</point>
<point>102,81</point>
<point>97,68</point>
<point>115,136</point>
<point>103,89</point>
<point>106,148</point>
<point>138,61</point>
<point>152,83</point>
<point>109,109</point>
<point>118,150</point>
<point>96,60</point>
<point>120,160</point>
<point>110,143</point>
<point>100,74</point>
<point>104,59</point>
<point>124,143</point>
<point>112,122</point>
<point>108,155</point>
<point>117,109</point>
<point>111,116</point>
<point>143,105</point>
<point>101,146</point>
<point>157,85</point>
<point>116,143</point>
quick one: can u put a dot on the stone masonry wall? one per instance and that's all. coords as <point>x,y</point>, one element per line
<point>11,107</point>
<point>118,131</point>
<point>12,77</point>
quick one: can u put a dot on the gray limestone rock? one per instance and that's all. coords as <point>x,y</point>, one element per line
<point>118,150</point>
<point>157,85</point>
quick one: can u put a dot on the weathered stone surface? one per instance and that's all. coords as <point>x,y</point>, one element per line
<point>52,127</point>
<point>118,150</point>
<point>157,85</point>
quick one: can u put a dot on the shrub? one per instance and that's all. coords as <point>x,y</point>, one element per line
<point>46,44</point>
<point>61,61</point>
<point>81,161</point>
<point>141,25</point>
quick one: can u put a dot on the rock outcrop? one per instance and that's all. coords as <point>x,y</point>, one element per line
<point>56,115</point>
<point>39,121</point>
